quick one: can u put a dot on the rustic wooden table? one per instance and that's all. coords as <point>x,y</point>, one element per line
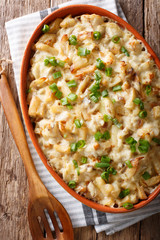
<point>144,15</point>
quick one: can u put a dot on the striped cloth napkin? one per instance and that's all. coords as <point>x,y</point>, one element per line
<point>19,30</point>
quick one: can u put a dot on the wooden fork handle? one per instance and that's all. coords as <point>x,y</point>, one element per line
<point>16,128</point>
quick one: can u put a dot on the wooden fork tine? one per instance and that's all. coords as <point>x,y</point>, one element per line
<point>54,221</point>
<point>35,227</point>
<point>46,225</point>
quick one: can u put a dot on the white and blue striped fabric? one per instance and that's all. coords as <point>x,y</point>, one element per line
<point>19,31</point>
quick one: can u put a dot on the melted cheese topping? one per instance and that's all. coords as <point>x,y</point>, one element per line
<point>115,117</point>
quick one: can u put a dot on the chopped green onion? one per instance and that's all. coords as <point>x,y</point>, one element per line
<point>65,135</point>
<point>78,172</point>
<point>124,193</point>
<point>72,83</point>
<point>28,90</point>
<point>53,61</point>
<point>128,163</point>
<point>115,39</point>
<point>97,35</point>
<point>102,165</point>
<point>127,205</point>
<point>108,71</point>
<point>115,121</point>
<point>105,176</point>
<point>69,106</point>
<point>64,101</point>
<point>113,100</point>
<point>117,88</point>
<point>99,64</point>
<point>104,93</point>
<point>156,140</point>
<point>141,105</point>
<point>75,163</point>
<point>105,159</point>
<point>107,118</point>
<point>143,146</point>
<point>130,140</point>
<point>72,96</point>
<point>53,87</point>
<point>124,50</point>
<point>57,75</point>
<point>45,28</point>
<point>81,143</point>
<point>146,175</point>
<point>148,89</point>
<point>95,96</point>
<point>83,51</point>
<point>142,114</point>
<point>60,63</point>
<point>72,184</point>
<point>73,40</point>
<point>94,87</point>
<point>98,136</point>
<point>58,94</point>
<point>78,123</point>
<point>106,135</point>
<point>46,61</point>
<point>137,101</point>
<point>97,75</point>
<point>73,147</point>
<point>133,148</point>
<point>112,170</point>
<point>84,160</point>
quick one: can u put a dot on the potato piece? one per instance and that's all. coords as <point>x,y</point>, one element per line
<point>156,112</point>
<point>131,96</point>
<point>62,148</point>
<point>152,181</point>
<point>44,47</point>
<point>83,85</point>
<point>36,107</point>
<point>113,29</point>
<point>68,22</point>
<point>141,192</point>
<point>54,26</point>
<point>48,39</point>
<point>107,107</point>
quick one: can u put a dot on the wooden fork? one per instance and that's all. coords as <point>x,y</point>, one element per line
<point>40,199</point>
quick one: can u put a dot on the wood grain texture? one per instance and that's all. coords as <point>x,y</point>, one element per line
<point>144,15</point>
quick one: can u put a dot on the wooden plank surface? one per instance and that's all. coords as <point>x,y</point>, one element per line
<point>144,15</point>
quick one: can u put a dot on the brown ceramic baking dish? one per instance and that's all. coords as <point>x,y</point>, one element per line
<point>74,10</point>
